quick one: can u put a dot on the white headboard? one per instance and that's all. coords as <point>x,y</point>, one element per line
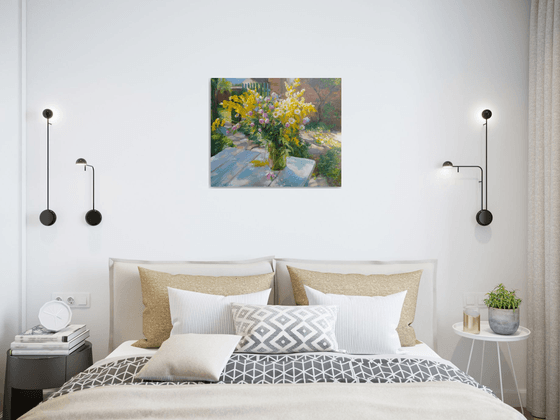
<point>425,323</point>
<point>126,293</point>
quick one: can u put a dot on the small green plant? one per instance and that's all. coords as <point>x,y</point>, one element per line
<point>501,298</point>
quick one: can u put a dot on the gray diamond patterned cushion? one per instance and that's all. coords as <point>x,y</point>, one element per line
<point>285,329</point>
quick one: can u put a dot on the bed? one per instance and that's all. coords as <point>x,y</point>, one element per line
<point>414,382</point>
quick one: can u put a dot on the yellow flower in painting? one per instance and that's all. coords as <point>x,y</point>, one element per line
<point>217,124</point>
<point>262,113</point>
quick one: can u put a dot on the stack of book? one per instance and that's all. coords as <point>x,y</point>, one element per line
<point>40,341</point>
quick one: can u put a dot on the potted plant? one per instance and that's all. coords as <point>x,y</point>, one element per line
<point>503,310</point>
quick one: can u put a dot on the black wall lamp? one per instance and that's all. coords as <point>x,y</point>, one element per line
<point>93,217</point>
<point>483,217</point>
<point>48,217</point>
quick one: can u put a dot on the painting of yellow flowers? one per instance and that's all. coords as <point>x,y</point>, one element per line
<point>275,132</point>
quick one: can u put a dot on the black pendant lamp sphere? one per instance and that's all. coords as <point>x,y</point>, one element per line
<point>48,217</point>
<point>93,217</point>
<point>484,217</point>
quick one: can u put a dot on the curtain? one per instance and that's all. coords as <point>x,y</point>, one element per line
<point>543,306</point>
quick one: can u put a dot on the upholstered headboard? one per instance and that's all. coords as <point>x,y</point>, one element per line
<point>424,323</point>
<point>126,293</point>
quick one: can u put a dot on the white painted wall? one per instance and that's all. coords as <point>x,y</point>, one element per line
<point>129,81</point>
<point>10,182</point>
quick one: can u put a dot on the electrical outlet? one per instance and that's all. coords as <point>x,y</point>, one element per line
<point>73,299</point>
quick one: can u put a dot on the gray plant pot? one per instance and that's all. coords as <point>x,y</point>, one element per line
<point>503,321</point>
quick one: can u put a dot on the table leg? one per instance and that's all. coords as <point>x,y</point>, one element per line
<point>515,379</point>
<point>500,369</point>
<point>482,363</point>
<point>470,355</point>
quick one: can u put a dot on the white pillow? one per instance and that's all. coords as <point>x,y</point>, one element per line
<point>200,313</point>
<point>365,324</point>
<point>190,357</point>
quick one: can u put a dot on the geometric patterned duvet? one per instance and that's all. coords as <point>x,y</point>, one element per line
<point>282,369</point>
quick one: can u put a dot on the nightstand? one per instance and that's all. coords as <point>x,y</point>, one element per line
<point>27,376</point>
<point>486,334</point>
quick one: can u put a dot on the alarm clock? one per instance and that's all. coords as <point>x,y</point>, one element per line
<point>55,315</point>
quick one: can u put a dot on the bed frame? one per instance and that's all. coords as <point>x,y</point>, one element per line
<point>126,305</point>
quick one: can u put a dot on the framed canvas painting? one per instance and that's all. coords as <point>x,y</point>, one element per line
<point>275,132</point>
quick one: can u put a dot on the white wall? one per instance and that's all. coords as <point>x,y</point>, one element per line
<point>10,172</point>
<point>129,81</point>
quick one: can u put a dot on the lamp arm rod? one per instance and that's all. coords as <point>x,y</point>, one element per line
<point>481,181</point>
<point>93,169</point>
<point>486,165</point>
<point>48,171</point>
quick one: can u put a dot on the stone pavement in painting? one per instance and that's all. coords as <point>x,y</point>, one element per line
<point>241,141</point>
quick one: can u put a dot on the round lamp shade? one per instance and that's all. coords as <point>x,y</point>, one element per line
<point>93,217</point>
<point>81,161</point>
<point>55,315</point>
<point>484,217</point>
<point>47,217</point>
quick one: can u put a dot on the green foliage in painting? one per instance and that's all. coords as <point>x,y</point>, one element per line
<point>217,85</point>
<point>224,85</point>
<point>330,112</point>
<point>300,150</point>
<point>218,143</point>
<point>329,166</point>
<point>501,298</point>
<point>325,88</point>
<point>319,126</point>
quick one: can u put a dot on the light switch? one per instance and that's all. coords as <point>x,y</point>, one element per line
<point>473,299</point>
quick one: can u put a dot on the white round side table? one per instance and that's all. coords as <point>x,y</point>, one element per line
<point>486,334</point>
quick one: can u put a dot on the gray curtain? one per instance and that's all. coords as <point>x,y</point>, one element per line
<point>543,306</point>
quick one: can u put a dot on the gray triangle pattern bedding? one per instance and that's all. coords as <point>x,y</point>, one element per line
<point>285,369</point>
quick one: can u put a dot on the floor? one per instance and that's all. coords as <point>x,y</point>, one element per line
<point>527,415</point>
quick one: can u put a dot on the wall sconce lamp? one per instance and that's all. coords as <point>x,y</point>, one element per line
<point>93,217</point>
<point>48,217</point>
<point>483,217</point>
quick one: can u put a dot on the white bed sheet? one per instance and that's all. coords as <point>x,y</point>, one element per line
<point>126,349</point>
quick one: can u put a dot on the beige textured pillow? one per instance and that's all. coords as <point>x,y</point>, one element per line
<point>364,285</point>
<point>157,317</point>
<point>190,357</point>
